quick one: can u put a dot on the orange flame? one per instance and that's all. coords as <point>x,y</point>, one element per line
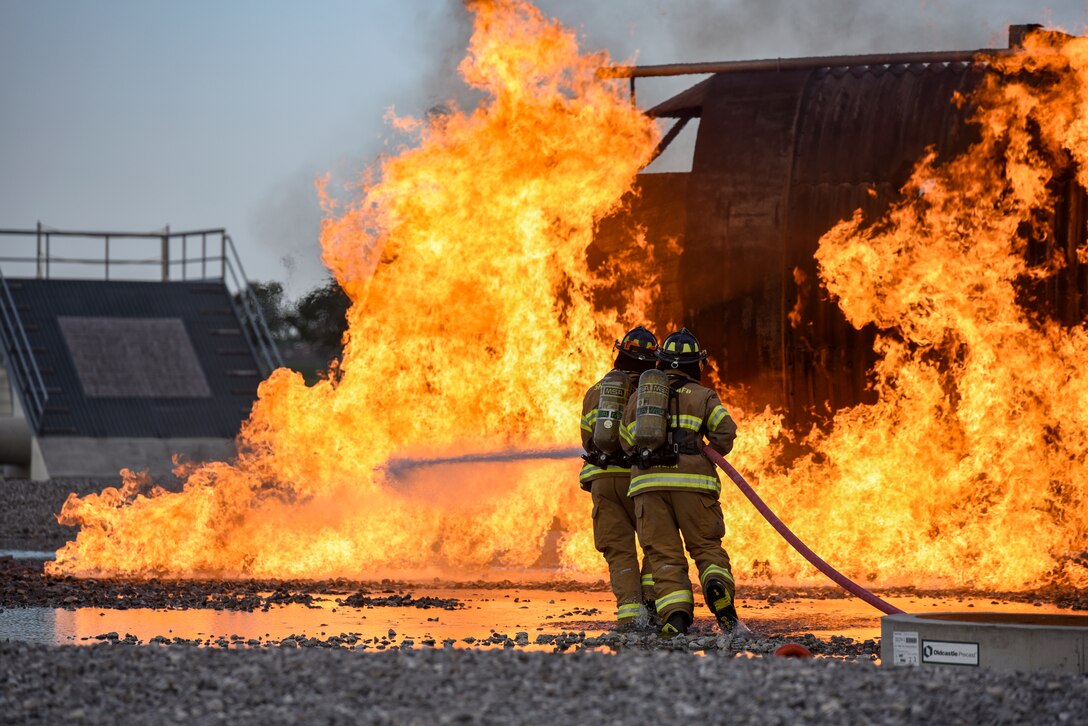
<point>471,328</point>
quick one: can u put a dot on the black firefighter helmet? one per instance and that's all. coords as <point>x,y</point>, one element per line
<point>681,349</point>
<point>639,343</point>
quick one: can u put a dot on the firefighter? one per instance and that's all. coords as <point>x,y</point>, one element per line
<point>675,487</point>
<point>607,476</point>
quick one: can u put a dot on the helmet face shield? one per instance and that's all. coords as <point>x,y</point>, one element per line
<point>681,348</point>
<point>639,343</point>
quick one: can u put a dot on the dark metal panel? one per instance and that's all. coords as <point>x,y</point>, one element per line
<point>874,126</point>
<point>734,249</point>
<point>205,310</point>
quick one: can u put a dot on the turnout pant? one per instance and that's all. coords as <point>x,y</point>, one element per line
<point>663,516</point>
<point>614,537</point>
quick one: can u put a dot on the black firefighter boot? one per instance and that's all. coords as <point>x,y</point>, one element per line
<point>676,624</point>
<point>721,604</point>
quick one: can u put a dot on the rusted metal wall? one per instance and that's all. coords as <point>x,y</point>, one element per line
<point>734,250</point>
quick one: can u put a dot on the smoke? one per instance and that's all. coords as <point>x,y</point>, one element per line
<point>288,224</point>
<point>710,30</point>
<point>288,219</point>
<point>661,31</point>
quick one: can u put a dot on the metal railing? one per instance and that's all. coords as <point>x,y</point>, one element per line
<point>250,312</point>
<point>200,254</point>
<point>22,367</point>
<point>195,255</point>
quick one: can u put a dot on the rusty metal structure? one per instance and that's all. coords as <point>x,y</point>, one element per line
<point>786,149</point>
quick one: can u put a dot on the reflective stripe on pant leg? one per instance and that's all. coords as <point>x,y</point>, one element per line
<point>628,610</point>
<point>718,572</point>
<point>649,592</point>
<point>674,600</point>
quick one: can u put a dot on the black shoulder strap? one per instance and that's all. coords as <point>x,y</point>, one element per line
<point>674,403</point>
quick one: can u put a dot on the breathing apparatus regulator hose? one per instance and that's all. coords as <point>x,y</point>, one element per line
<point>840,579</point>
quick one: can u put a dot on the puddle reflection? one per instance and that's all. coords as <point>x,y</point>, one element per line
<point>507,612</point>
<point>484,613</point>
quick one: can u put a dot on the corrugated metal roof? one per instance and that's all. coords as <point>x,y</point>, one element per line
<point>204,308</point>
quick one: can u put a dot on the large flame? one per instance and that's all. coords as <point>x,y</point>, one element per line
<point>472,328</point>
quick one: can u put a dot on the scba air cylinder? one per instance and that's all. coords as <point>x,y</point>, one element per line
<point>615,388</point>
<point>651,410</point>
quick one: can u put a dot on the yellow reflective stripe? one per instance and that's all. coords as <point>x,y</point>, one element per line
<point>648,580</point>
<point>673,598</point>
<point>718,415</point>
<point>585,426</point>
<point>591,417</point>
<point>627,434</point>
<point>700,482</point>
<point>685,421</point>
<point>627,610</point>
<point>589,471</point>
<point>715,571</point>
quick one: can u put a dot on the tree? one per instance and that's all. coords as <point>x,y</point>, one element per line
<point>320,317</point>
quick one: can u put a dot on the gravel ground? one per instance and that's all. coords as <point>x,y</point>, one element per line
<point>106,684</point>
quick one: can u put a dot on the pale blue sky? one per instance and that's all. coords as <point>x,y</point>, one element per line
<point>133,114</point>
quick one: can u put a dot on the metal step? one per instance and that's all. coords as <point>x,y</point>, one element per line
<point>58,430</point>
<point>6,405</point>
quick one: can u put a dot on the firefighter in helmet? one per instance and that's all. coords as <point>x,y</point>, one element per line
<point>607,476</point>
<point>674,485</point>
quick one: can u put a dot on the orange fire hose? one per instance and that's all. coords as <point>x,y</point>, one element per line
<point>840,579</point>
